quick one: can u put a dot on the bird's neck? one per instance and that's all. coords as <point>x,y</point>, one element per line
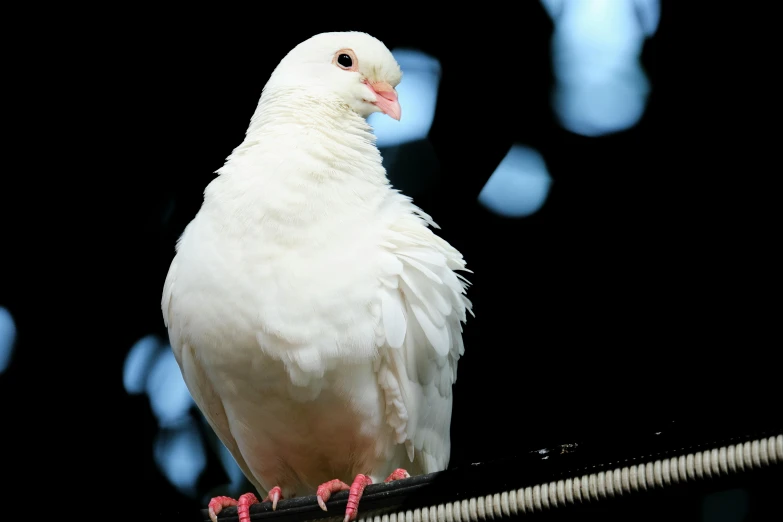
<point>305,161</point>
<point>310,123</point>
<point>311,106</point>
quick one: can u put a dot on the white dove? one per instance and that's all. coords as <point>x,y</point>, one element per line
<point>316,319</point>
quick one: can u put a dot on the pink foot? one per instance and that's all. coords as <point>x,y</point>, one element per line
<point>326,489</point>
<point>356,489</point>
<point>275,494</point>
<point>398,474</point>
<point>217,504</point>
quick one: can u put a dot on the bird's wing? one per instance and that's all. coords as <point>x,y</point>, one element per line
<point>198,383</point>
<point>423,304</point>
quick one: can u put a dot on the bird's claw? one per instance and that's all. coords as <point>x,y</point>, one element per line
<point>275,494</point>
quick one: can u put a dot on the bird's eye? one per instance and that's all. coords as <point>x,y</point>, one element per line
<point>345,61</point>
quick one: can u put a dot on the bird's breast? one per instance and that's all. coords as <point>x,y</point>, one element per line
<point>314,287</point>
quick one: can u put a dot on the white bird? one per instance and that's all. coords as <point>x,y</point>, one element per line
<point>315,316</point>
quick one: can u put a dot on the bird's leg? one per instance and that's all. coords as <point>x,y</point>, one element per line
<point>357,488</point>
<point>217,504</point>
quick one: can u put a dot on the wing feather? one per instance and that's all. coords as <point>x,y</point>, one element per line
<point>419,357</point>
<point>393,318</point>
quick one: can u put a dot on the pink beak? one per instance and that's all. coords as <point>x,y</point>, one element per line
<point>387,99</point>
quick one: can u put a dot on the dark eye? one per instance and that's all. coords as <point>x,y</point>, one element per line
<point>345,61</point>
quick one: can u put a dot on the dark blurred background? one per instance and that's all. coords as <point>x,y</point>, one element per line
<point>610,298</point>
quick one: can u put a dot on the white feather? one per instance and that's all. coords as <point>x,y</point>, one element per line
<point>393,318</point>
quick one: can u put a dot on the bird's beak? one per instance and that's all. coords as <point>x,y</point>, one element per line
<point>387,99</point>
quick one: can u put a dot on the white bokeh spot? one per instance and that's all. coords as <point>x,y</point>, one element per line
<point>600,85</point>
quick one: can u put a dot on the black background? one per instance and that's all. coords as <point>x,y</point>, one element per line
<point>637,296</point>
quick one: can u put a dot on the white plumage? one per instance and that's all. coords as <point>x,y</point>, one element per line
<point>315,316</point>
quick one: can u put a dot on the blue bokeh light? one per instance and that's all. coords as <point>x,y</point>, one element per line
<point>179,449</point>
<point>168,393</point>
<point>519,186</point>
<point>649,13</point>
<point>7,338</point>
<point>600,85</point>
<point>138,363</point>
<point>417,95</point>
<point>179,453</point>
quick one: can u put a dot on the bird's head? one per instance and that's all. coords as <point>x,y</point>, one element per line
<point>352,67</point>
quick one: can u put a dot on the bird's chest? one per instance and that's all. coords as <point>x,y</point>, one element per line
<point>303,286</point>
